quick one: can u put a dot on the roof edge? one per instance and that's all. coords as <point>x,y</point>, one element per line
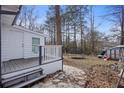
<point>28,30</point>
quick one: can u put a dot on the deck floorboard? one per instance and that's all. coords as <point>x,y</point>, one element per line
<point>15,65</point>
<point>20,64</point>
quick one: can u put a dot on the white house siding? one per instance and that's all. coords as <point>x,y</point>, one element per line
<point>52,67</point>
<point>11,44</point>
<point>17,43</point>
<point>28,44</point>
<point>4,47</point>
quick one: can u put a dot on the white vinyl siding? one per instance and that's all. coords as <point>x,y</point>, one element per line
<point>12,44</point>
<point>28,44</point>
<point>17,43</point>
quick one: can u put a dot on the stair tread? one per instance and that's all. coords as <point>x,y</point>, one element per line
<point>13,74</point>
<point>28,82</point>
<point>22,75</point>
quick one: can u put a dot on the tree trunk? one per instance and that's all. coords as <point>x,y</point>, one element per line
<point>75,43</point>
<point>58,25</point>
<point>54,33</point>
<point>122,27</point>
<point>68,37</point>
<point>92,30</point>
<point>81,31</point>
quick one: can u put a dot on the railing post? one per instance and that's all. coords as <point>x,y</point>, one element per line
<point>40,55</point>
<point>44,54</point>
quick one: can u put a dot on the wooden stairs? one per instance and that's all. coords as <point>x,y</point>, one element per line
<point>22,78</point>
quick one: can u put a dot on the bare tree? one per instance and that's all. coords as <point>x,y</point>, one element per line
<point>22,20</point>
<point>122,26</point>
<point>92,29</point>
<point>27,17</point>
<point>116,15</point>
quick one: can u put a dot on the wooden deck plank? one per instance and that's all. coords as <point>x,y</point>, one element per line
<point>9,75</point>
<point>26,64</point>
<point>4,71</point>
<point>16,65</point>
<point>20,64</point>
<point>22,75</point>
<point>7,67</point>
<point>13,65</point>
<point>2,68</point>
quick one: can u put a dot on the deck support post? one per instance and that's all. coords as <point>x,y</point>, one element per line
<point>44,54</point>
<point>40,55</point>
<point>0,52</point>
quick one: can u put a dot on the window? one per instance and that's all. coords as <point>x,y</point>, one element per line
<point>35,45</point>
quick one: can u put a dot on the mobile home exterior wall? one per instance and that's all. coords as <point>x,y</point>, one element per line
<point>17,42</point>
<point>116,53</point>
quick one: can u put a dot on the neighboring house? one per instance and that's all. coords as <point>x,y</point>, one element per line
<point>24,56</point>
<point>116,53</point>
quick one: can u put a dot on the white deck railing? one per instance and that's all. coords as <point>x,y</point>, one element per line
<point>51,53</point>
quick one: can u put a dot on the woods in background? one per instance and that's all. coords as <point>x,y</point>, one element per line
<point>74,27</point>
<point>78,31</point>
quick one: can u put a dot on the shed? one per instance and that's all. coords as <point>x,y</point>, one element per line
<point>116,53</point>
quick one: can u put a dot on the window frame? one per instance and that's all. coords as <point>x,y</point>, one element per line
<point>35,46</point>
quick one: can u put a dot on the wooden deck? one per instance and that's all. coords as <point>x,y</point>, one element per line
<point>20,64</point>
<point>48,53</point>
<point>20,72</point>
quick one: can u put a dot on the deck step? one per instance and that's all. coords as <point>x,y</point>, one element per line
<point>21,75</point>
<point>28,82</point>
<point>13,74</point>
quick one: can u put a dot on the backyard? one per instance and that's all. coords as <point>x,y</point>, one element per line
<point>83,72</point>
<point>61,45</point>
<point>99,72</point>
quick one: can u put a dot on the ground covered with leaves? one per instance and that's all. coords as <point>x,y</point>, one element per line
<point>83,72</point>
<point>101,76</point>
<point>100,73</point>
